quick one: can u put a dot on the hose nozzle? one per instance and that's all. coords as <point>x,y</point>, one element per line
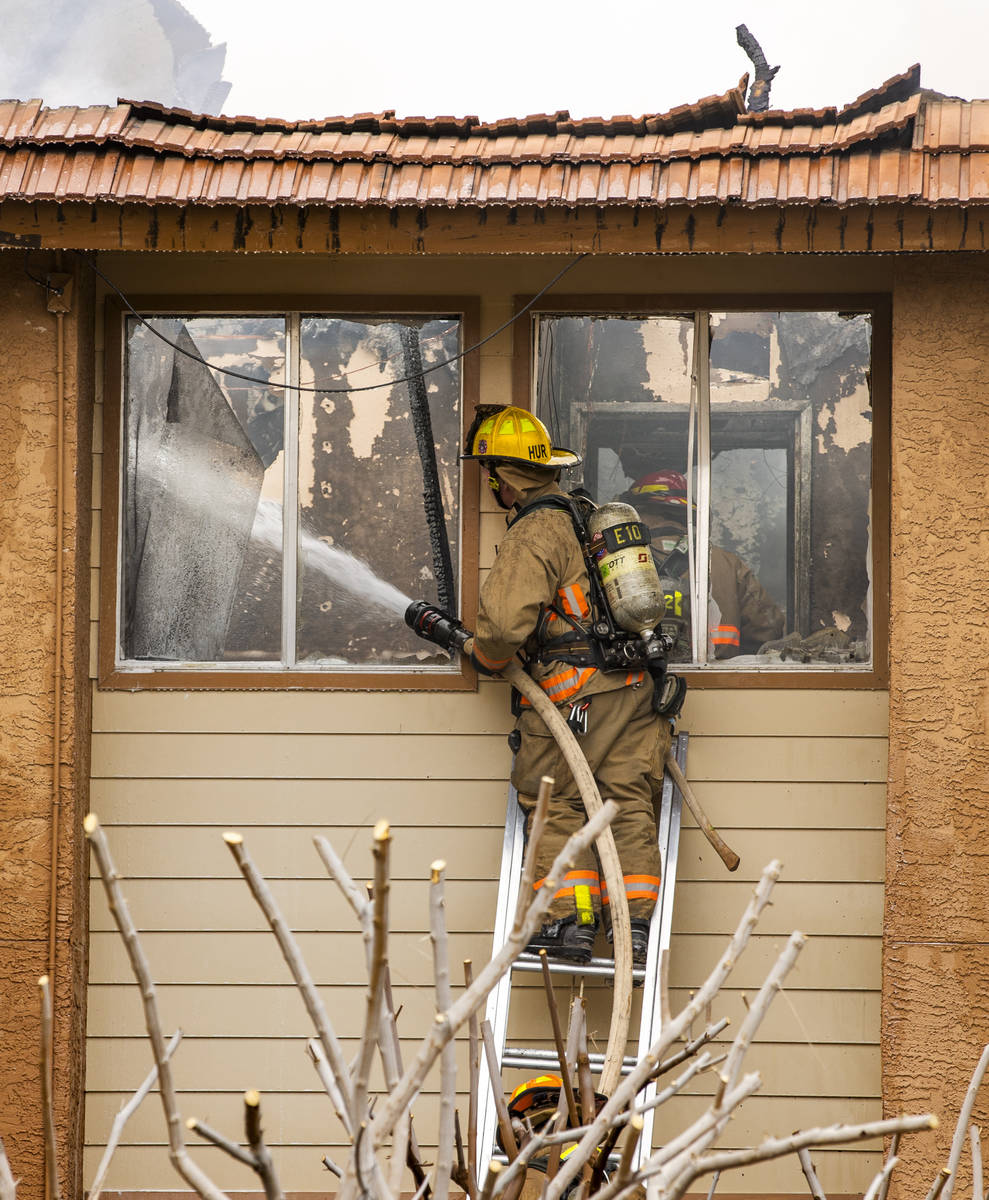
<point>437,626</point>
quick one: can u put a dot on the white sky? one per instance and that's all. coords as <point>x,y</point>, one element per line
<point>501,58</point>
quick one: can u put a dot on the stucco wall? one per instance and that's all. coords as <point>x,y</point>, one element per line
<point>27,708</point>
<point>936,963</point>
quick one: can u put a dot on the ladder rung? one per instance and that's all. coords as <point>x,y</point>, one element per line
<point>502,1157</point>
<point>521,1056</point>
<point>597,966</point>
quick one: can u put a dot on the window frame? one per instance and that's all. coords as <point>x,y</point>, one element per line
<point>524,382</point>
<point>111,676</point>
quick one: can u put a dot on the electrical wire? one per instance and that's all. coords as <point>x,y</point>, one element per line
<point>295,387</point>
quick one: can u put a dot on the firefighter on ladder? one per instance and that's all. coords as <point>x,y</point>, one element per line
<point>536,592</point>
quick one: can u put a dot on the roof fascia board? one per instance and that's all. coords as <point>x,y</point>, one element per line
<point>674,229</point>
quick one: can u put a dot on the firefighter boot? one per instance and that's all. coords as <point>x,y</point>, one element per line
<point>640,940</point>
<point>567,938</point>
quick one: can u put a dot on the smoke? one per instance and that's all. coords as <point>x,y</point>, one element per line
<point>78,52</point>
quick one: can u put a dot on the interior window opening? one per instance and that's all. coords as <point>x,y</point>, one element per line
<point>744,440</point>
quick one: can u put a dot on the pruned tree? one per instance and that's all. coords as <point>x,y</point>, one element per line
<point>583,1149</point>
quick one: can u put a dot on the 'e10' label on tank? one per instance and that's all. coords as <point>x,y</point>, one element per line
<point>620,537</point>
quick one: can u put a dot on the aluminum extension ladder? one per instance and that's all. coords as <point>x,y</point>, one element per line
<point>499,1001</point>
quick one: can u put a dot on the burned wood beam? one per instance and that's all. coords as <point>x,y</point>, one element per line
<point>764,74</point>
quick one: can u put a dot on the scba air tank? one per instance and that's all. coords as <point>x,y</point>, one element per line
<point>619,546</point>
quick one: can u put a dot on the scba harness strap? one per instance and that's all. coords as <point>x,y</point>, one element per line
<point>592,639</point>
<point>581,645</point>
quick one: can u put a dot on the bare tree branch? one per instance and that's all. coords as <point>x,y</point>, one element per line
<point>444,999</point>
<point>379,950</point>
<point>894,1144</point>
<point>703,1063</point>
<point>807,1166</point>
<point>385,1123</point>
<point>47,1071</point>
<point>686,1146</point>
<point>300,972</point>
<point>760,1006</point>
<point>494,1170</point>
<point>190,1171</point>
<point>221,1141</point>
<point>122,1117</point>
<point>494,1073</point>
<point>641,1072</point>
<point>635,1127</point>
<point>405,1146</point>
<point>341,876</point>
<point>976,1139</point>
<point>264,1167</point>
<point>399,1152</point>
<point>691,1048</point>
<point>964,1117</point>
<point>777,1147</point>
<point>882,1178</point>
<point>8,1184</point>
<point>446,1026</point>
<point>937,1187</point>
<point>318,1058</point>
<point>473,1071</point>
<point>561,1055</point>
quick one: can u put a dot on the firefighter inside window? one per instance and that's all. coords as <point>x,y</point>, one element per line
<point>742,616</point>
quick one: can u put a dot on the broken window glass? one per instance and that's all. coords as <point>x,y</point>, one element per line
<point>212,571</point>
<point>201,451</point>
<point>361,486</point>
<point>753,463</point>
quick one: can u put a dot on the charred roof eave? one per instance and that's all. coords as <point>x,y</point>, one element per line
<point>421,232</point>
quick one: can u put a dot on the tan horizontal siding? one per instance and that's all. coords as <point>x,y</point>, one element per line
<point>795,775</point>
<point>785,713</point>
<point>281,1064</point>
<point>245,1011</point>
<point>793,712</point>
<point>828,961</point>
<point>182,852</point>
<point>457,756</point>
<point>224,803</point>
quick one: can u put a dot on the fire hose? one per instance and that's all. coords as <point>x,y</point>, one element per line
<point>621,1011</point>
<point>437,626</point>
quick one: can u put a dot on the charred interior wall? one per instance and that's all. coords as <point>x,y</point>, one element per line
<point>936,957</point>
<point>29,617</point>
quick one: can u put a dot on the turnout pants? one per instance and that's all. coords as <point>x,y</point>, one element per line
<point>625,746</point>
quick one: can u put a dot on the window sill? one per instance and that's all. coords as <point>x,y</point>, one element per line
<point>824,675</point>
<point>225,677</point>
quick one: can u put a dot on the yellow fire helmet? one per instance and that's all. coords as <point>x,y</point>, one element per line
<point>534,1092</point>
<point>536,1100</point>
<point>507,434</point>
